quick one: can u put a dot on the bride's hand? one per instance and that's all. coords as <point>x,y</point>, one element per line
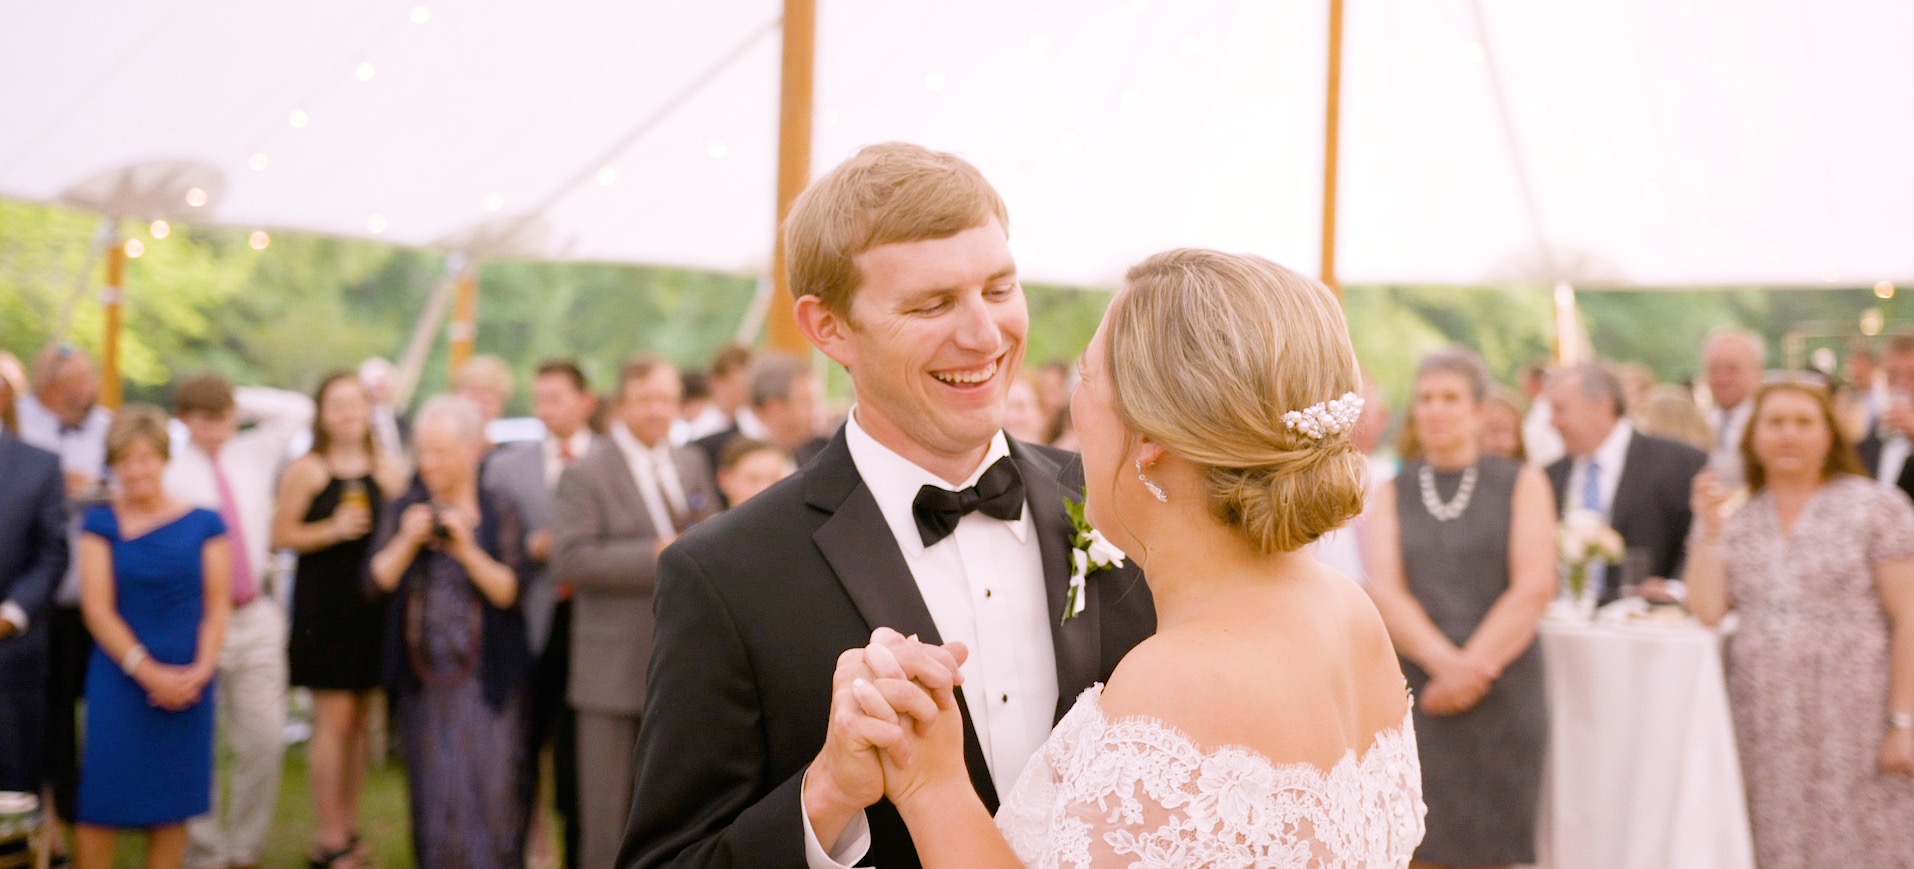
<point>926,736</point>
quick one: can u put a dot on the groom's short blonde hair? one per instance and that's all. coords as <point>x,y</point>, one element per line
<point>884,194</point>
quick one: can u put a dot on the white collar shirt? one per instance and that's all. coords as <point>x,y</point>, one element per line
<point>1895,450</point>
<point>983,585</point>
<point>655,475</point>
<point>555,457</point>
<point>251,459</point>
<point>1608,458</point>
<point>81,449</point>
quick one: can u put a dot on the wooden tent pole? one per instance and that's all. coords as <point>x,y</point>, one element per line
<point>464,331</point>
<point>111,297</point>
<point>794,160</point>
<point>1332,139</point>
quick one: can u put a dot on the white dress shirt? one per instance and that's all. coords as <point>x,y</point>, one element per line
<point>81,449</point>
<point>1540,440</point>
<point>580,441</point>
<point>984,586</point>
<point>1730,425</point>
<point>656,476</point>
<point>1608,458</point>
<point>1895,449</point>
<point>252,460</point>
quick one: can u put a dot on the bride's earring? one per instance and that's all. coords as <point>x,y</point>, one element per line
<point>1151,484</point>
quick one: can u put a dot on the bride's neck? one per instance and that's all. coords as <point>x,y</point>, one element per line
<point>1199,570</point>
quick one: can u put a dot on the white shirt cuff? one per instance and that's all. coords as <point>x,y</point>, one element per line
<point>851,845</point>
<point>12,612</point>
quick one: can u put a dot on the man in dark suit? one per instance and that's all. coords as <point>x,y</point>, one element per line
<point>33,559</point>
<point>618,506</point>
<point>903,273</point>
<point>785,395</point>
<point>1638,483</point>
<point>528,473</point>
<point>1885,450</point>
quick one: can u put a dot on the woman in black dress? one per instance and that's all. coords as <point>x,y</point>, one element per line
<point>1462,566</point>
<point>329,502</point>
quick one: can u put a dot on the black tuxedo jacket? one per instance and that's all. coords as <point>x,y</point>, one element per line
<point>1870,452</point>
<point>1651,506</point>
<point>753,609</point>
<point>33,560</point>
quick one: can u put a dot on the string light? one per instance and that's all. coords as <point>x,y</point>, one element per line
<point>298,119</point>
<point>1192,46</point>
<point>365,70</point>
<point>1872,321</point>
<point>375,224</point>
<point>258,161</point>
<point>934,81</point>
<point>134,248</point>
<point>420,14</point>
<point>1651,192</point>
<point>1884,290</point>
<point>1132,98</point>
<point>1039,44</point>
<point>259,239</point>
<point>718,150</point>
<point>196,197</point>
<point>494,202</point>
<point>160,229</point>
<point>608,176</point>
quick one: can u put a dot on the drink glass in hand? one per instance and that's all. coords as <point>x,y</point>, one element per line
<point>353,498</point>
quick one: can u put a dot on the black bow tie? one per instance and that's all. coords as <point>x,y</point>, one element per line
<point>999,493</point>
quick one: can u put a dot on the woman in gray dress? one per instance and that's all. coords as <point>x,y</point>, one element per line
<point>1819,565</point>
<point>1462,566</point>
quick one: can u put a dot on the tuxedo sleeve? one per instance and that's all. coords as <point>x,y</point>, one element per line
<point>32,591</point>
<point>702,798</point>
<point>584,551</point>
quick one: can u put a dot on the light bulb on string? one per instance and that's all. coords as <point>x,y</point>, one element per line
<point>259,161</point>
<point>493,202</point>
<point>420,14</point>
<point>365,70</point>
<point>259,239</point>
<point>375,224</point>
<point>160,229</point>
<point>134,248</point>
<point>298,119</point>
<point>196,197</point>
<point>1884,290</point>
<point>608,176</point>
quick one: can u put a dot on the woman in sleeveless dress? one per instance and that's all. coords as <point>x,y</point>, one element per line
<point>329,502</point>
<point>1462,555</point>
<point>1267,722</point>
<point>153,588</point>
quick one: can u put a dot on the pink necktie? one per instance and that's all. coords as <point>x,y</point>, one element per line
<point>244,589</point>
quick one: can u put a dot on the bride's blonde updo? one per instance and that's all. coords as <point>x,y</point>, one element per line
<point>1207,351</point>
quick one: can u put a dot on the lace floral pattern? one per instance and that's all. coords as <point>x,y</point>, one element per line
<point>1137,793</point>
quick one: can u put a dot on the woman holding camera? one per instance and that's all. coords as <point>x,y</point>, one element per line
<point>456,661</point>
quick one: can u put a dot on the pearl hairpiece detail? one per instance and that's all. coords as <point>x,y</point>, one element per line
<point>1326,418</point>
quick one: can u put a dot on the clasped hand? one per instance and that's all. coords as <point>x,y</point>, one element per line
<point>895,727</point>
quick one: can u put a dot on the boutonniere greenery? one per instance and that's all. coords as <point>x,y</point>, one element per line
<point>1089,553</point>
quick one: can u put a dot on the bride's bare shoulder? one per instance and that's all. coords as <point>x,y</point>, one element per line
<point>1306,688</point>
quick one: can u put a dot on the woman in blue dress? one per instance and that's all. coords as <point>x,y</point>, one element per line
<point>153,586</point>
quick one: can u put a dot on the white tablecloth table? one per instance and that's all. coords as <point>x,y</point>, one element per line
<point>1642,771</point>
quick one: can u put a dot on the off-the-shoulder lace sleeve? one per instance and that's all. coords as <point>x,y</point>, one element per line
<point>1137,793</point>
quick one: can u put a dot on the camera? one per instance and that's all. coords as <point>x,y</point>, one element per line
<point>440,533</point>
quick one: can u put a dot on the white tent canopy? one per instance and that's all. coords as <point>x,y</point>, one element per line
<point>1700,143</point>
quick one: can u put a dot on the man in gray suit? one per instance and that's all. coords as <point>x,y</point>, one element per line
<point>618,507</point>
<point>528,473</point>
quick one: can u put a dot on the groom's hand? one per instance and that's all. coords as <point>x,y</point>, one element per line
<point>847,775</point>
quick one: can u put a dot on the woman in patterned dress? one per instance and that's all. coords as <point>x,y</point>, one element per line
<point>1819,567</point>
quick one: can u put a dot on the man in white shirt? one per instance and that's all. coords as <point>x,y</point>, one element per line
<point>920,516</point>
<point>388,424</point>
<point>1540,441</point>
<point>1885,450</point>
<point>1732,361</point>
<point>1639,484</point>
<point>729,383</point>
<point>236,473</point>
<point>617,507</point>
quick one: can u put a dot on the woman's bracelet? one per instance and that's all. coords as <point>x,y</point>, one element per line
<point>133,659</point>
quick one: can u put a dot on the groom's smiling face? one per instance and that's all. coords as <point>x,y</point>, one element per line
<point>933,337</point>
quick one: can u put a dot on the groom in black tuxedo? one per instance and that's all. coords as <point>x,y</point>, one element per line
<point>920,515</point>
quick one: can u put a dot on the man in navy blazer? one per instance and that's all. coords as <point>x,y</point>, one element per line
<point>33,559</point>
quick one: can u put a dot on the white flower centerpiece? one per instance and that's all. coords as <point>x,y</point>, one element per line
<point>1089,553</point>
<point>1583,540</point>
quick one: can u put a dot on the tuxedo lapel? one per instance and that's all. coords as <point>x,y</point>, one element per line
<point>858,544</point>
<point>1078,642</point>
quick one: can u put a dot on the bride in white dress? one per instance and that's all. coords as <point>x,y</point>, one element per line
<point>1267,722</point>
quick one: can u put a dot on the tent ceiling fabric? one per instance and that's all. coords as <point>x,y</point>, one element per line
<point>1710,142</point>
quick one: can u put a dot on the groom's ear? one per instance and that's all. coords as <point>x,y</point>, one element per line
<point>827,330</point>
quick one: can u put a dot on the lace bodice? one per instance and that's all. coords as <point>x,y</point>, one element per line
<point>1135,792</point>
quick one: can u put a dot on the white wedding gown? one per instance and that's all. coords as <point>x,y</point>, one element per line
<point>1137,793</point>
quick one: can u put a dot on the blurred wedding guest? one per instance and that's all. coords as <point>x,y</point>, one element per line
<point>13,385</point>
<point>452,555</point>
<point>749,467</point>
<point>729,384</point>
<point>1343,548</point>
<point>786,398</point>
<point>1638,483</point>
<point>1637,379</point>
<point>1669,411</point>
<point>389,426</point>
<point>1462,552</point>
<point>1885,450</point>
<point>1732,361</point>
<point>485,381</point>
<point>1024,417</point>
<point>697,401</point>
<point>33,561</point>
<point>235,474</point>
<point>154,578</point>
<point>1055,380</point>
<point>1502,425</point>
<point>1540,441</point>
<point>329,502</point>
<point>1818,565</point>
<point>1861,404</point>
<point>617,509</point>
<point>1063,432</point>
<point>528,473</point>
<point>61,415</point>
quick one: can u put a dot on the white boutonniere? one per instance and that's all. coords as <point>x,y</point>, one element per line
<point>1089,553</point>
